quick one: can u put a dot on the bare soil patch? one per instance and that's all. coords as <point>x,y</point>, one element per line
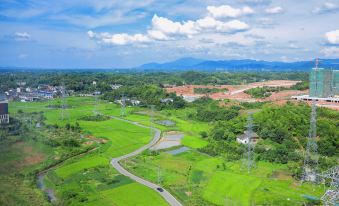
<point>236,92</point>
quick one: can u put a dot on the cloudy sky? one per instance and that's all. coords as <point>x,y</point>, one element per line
<point>111,33</point>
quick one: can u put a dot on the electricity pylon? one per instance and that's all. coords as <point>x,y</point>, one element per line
<point>159,176</point>
<point>123,106</point>
<point>249,161</point>
<point>96,104</point>
<point>250,145</point>
<point>64,112</point>
<point>311,154</point>
<point>151,119</point>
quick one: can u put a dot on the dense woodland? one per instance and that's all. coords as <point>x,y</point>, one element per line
<point>81,81</point>
<point>283,131</point>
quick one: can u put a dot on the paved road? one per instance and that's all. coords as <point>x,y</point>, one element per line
<point>115,163</point>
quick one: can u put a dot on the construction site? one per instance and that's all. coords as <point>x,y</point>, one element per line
<point>325,80</point>
<point>324,89</point>
<point>237,92</point>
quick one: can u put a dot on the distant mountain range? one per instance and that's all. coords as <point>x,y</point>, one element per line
<point>189,63</point>
<point>237,65</point>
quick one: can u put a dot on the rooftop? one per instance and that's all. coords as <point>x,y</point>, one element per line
<point>246,135</point>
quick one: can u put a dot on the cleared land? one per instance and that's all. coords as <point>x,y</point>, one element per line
<point>237,92</point>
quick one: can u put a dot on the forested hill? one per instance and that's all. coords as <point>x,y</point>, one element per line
<point>238,65</point>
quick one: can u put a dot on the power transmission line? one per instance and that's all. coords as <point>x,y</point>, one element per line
<point>64,112</point>
<point>96,104</point>
<point>151,120</point>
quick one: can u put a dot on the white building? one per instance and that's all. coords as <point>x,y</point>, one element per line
<point>115,86</point>
<point>190,98</point>
<point>245,138</point>
<point>166,100</point>
<point>135,102</point>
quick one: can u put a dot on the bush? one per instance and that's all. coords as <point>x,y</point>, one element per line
<point>95,118</point>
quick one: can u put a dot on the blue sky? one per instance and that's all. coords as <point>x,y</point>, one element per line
<point>107,33</point>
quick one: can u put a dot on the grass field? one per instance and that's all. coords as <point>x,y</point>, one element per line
<point>16,160</point>
<point>198,179</point>
<point>87,162</point>
<point>133,194</point>
<point>195,178</point>
<point>90,177</point>
<point>125,137</point>
<point>226,187</point>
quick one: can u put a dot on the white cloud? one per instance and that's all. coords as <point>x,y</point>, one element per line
<point>331,51</point>
<point>327,7</point>
<point>118,39</point>
<point>332,37</point>
<point>228,11</point>
<point>21,36</point>
<point>293,46</point>
<point>164,29</point>
<point>157,35</point>
<point>167,26</point>
<point>233,26</point>
<point>209,23</point>
<point>274,10</point>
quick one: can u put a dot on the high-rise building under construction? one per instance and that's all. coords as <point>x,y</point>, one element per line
<point>4,116</point>
<point>324,83</point>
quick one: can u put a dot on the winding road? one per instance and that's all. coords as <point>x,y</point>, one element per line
<point>115,163</point>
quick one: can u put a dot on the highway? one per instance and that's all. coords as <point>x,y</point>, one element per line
<point>115,163</point>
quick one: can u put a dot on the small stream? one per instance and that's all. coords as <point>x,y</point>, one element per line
<point>41,176</point>
<point>41,185</point>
